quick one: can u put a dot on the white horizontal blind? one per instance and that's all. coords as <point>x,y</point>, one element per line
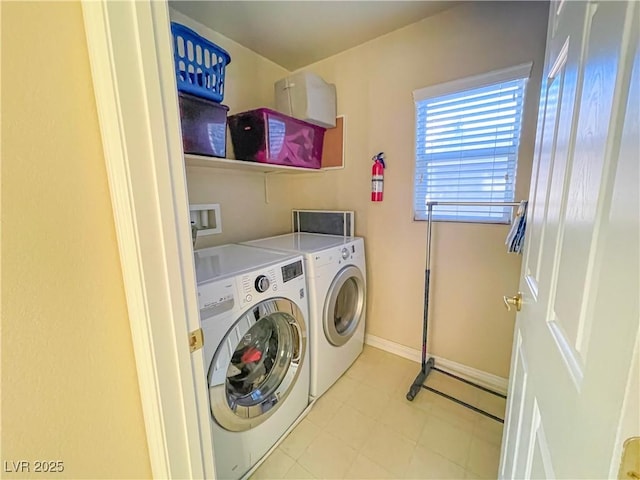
<point>467,151</point>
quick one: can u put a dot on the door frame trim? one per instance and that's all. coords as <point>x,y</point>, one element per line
<point>129,44</point>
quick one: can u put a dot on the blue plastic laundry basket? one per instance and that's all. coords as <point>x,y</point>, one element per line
<point>199,63</point>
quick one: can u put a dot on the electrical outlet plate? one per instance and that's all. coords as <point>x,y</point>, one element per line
<point>206,218</point>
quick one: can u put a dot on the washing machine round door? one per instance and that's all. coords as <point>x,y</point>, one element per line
<point>344,306</point>
<point>257,364</point>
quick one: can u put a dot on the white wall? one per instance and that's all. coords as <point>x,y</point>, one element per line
<point>471,269</point>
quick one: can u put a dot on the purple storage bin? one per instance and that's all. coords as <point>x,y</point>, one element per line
<point>267,136</point>
<point>204,126</point>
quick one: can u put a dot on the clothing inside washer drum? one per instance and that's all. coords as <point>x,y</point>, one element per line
<point>259,361</point>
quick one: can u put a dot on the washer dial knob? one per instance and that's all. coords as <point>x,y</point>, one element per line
<point>345,253</point>
<point>262,283</point>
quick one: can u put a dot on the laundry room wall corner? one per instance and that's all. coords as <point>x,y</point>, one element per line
<point>374,83</point>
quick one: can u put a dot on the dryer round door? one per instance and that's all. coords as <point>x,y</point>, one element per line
<point>257,364</point>
<point>344,306</point>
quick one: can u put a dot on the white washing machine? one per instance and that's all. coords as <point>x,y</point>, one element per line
<point>253,311</point>
<point>336,277</point>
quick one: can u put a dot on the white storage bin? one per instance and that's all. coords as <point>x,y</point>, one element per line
<point>307,97</point>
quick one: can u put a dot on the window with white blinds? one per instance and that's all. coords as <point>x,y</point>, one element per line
<point>467,139</point>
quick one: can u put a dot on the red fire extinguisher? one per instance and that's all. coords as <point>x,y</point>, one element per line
<point>377,177</point>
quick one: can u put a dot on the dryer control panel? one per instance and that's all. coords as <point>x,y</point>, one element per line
<point>338,255</point>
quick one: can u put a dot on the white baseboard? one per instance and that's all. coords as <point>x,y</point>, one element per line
<point>488,380</point>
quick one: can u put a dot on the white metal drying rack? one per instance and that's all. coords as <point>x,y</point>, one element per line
<point>429,364</point>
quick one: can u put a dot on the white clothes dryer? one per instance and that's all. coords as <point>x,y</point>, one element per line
<point>253,311</point>
<point>336,280</point>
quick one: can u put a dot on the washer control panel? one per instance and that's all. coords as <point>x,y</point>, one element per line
<point>253,284</point>
<point>262,283</point>
<point>291,271</point>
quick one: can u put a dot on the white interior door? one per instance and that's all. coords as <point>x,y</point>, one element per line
<point>574,338</point>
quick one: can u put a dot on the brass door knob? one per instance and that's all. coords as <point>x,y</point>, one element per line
<point>515,301</point>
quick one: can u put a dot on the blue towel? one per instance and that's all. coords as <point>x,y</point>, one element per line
<point>515,238</point>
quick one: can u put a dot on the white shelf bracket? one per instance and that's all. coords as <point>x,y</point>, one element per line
<point>266,188</point>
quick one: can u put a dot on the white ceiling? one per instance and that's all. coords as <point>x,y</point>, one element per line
<point>294,34</point>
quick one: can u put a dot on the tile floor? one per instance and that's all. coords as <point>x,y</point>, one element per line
<point>364,428</point>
